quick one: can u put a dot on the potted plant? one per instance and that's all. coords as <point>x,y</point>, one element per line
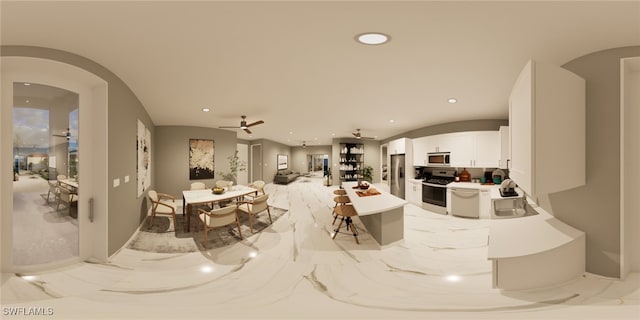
<point>235,165</point>
<point>367,173</point>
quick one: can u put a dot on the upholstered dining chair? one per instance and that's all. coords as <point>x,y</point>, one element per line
<point>198,186</point>
<point>68,197</point>
<point>258,185</point>
<point>163,204</point>
<point>219,217</point>
<point>255,206</point>
<point>53,188</point>
<point>224,184</point>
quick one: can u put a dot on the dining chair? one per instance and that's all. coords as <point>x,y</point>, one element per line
<point>219,217</point>
<point>53,189</point>
<point>258,185</point>
<point>224,184</point>
<point>255,206</point>
<point>198,186</point>
<point>164,204</point>
<point>68,197</point>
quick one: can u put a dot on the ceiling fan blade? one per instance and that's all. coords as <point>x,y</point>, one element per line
<point>59,135</point>
<point>255,123</point>
<point>228,127</point>
<point>247,131</point>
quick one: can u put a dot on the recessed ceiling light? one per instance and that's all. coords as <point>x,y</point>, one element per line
<point>206,109</point>
<point>392,121</point>
<point>290,132</point>
<point>372,38</point>
<point>27,84</point>
<point>27,101</point>
<point>452,100</point>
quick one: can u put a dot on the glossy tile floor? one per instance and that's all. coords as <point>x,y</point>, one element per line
<point>41,234</point>
<point>295,270</point>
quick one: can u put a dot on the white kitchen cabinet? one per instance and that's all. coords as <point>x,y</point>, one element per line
<point>504,147</point>
<point>420,151</point>
<point>487,149</point>
<point>397,146</point>
<point>547,129</point>
<point>485,204</point>
<point>414,192</point>
<point>461,146</point>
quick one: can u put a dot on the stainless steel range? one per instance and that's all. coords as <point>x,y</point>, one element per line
<point>434,190</point>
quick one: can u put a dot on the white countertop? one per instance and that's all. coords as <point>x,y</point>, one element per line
<point>473,185</point>
<point>528,235</point>
<point>372,204</point>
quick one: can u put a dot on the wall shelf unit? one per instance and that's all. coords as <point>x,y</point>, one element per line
<point>351,161</point>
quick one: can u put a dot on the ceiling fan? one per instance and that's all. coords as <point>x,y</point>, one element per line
<point>244,126</point>
<point>358,135</point>
<point>65,134</point>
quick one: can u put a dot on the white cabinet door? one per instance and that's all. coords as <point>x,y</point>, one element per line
<point>414,194</point>
<point>397,146</point>
<point>504,147</point>
<point>420,151</point>
<point>432,143</point>
<point>485,204</point>
<point>520,119</point>
<point>487,149</point>
<point>461,146</point>
<point>547,121</point>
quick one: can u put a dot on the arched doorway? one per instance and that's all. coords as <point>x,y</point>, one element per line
<point>80,157</point>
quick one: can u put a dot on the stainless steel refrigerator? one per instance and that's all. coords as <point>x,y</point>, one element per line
<point>397,175</point>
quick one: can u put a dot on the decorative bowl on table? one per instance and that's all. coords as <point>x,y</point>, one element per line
<point>217,190</point>
<point>363,186</point>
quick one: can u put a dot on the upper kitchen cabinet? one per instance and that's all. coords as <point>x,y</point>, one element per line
<point>398,146</point>
<point>547,129</point>
<point>420,151</point>
<point>504,147</point>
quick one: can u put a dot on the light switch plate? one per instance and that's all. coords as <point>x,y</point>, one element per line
<point>116,182</point>
<point>126,179</point>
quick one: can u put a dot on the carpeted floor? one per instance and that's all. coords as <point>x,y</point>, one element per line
<point>162,237</point>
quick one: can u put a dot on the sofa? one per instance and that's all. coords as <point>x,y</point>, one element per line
<point>285,176</point>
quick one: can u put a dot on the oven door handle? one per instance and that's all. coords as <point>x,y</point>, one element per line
<point>434,185</point>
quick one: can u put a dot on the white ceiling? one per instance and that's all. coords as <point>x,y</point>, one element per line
<point>296,65</point>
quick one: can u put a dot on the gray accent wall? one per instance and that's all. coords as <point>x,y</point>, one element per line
<point>270,152</point>
<point>298,161</point>
<point>172,148</point>
<point>595,207</point>
<point>458,126</point>
<point>124,111</point>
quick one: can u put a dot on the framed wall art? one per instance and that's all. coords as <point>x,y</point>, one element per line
<point>143,165</point>
<point>201,159</point>
<point>283,161</point>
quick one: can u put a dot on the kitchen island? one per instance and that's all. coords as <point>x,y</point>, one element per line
<point>381,214</point>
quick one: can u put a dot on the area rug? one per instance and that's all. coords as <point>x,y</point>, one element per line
<point>162,237</point>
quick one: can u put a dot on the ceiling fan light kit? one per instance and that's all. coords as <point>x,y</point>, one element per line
<point>358,135</point>
<point>243,125</point>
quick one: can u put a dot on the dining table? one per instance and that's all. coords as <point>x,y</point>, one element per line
<point>70,184</point>
<point>192,198</point>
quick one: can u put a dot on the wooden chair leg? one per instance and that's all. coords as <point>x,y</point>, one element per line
<point>238,225</point>
<point>335,232</point>
<point>269,212</point>
<point>355,233</point>
<point>251,222</point>
<point>206,240</point>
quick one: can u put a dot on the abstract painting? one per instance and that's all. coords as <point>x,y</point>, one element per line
<point>201,161</point>
<point>283,161</point>
<point>143,165</point>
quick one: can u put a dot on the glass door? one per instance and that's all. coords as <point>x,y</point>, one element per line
<point>45,174</point>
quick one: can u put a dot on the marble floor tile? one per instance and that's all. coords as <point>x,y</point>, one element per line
<point>294,270</point>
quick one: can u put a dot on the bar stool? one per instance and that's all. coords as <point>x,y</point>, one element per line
<point>346,212</point>
<point>340,192</point>
<point>340,201</point>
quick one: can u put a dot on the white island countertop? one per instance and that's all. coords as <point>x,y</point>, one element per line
<point>528,235</point>
<point>372,204</point>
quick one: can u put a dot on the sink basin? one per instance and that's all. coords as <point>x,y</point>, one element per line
<point>512,208</point>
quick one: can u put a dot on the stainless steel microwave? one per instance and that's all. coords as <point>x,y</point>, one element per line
<point>439,159</point>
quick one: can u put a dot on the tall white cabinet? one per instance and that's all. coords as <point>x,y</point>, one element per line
<point>547,129</point>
